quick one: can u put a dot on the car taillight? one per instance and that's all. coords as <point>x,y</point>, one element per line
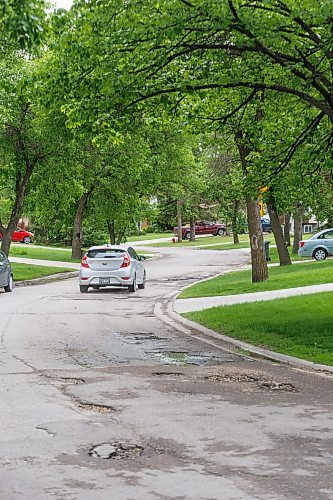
<point>301,244</point>
<point>84,262</point>
<point>127,260</point>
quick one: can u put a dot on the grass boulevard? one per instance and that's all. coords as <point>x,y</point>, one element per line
<point>297,326</point>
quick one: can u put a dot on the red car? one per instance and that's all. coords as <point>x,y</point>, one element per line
<point>21,235</point>
<point>203,227</point>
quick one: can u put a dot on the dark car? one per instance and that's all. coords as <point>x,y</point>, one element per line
<point>203,227</point>
<point>6,275</point>
<point>266,225</point>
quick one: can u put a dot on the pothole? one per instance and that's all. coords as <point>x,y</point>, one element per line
<point>272,385</point>
<point>70,380</point>
<point>98,408</point>
<point>168,374</point>
<point>259,380</point>
<point>116,451</point>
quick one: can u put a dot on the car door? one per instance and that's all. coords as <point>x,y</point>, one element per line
<point>3,269</point>
<point>327,240</point>
<point>138,266</point>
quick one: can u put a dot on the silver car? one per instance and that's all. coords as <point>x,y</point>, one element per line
<point>6,275</point>
<point>116,265</point>
<point>319,246</point>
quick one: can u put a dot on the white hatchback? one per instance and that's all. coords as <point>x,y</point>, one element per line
<point>116,265</point>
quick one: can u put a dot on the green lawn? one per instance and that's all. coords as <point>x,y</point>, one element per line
<point>23,272</point>
<point>29,252</point>
<point>201,241</point>
<point>273,253</point>
<point>307,273</point>
<point>297,326</point>
<point>150,236</point>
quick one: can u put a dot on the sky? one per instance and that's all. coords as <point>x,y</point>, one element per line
<point>65,4</point>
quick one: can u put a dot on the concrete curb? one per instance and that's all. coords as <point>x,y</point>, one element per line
<point>46,279</point>
<point>165,312</point>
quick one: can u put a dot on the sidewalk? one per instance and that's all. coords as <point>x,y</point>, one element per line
<point>200,303</point>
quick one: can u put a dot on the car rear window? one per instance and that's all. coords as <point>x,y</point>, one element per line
<point>106,253</point>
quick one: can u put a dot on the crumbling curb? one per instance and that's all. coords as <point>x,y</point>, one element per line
<point>47,279</point>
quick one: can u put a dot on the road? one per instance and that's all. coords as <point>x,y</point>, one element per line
<point>101,399</point>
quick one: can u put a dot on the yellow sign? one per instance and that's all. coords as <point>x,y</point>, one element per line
<point>261,208</point>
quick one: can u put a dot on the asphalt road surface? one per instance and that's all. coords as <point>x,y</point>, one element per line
<point>101,399</point>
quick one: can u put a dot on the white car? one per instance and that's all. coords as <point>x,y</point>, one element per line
<point>319,246</point>
<point>112,265</point>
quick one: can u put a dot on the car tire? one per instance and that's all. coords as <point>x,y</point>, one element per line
<point>132,287</point>
<point>319,254</point>
<point>83,288</point>
<point>142,285</point>
<point>187,235</point>
<point>9,287</point>
<point>220,232</point>
<point>26,240</point>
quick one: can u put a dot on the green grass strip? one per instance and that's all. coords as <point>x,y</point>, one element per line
<point>298,326</point>
<point>41,254</point>
<point>307,273</point>
<point>23,272</point>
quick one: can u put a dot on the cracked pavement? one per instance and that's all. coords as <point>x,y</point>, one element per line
<point>101,399</point>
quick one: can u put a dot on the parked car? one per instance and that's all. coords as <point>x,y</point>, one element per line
<point>116,265</point>
<point>203,227</point>
<point>266,225</point>
<point>6,275</point>
<point>21,235</point>
<point>319,246</point>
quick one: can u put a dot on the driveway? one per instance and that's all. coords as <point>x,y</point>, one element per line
<point>101,399</point>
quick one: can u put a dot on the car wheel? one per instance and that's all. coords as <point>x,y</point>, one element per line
<point>9,287</point>
<point>187,235</point>
<point>142,285</point>
<point>132,287</point>
<point>319,254</point>
<point>27,239</point>
<point>83,288</point>
<point>221,232</point>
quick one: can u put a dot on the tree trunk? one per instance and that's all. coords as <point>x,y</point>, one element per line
<point>111,231</point>
<point>234,221</point>
<point>77,229</point>
<point>179,220</point>
<point>120,236</point>
<point>298,218</point>
<point>282,249</point>
<point>192,229</point>
<point>21,188</point>
<point>258,258</point>
<point>286,229</point>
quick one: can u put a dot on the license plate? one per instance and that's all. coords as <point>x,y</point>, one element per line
<point>104,281</point>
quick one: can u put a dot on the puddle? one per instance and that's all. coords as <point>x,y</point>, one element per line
<point>140,337</point>
<point>187,358</point>
<point>116,451</point>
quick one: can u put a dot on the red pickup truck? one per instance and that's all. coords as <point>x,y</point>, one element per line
<point>203,227</point>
